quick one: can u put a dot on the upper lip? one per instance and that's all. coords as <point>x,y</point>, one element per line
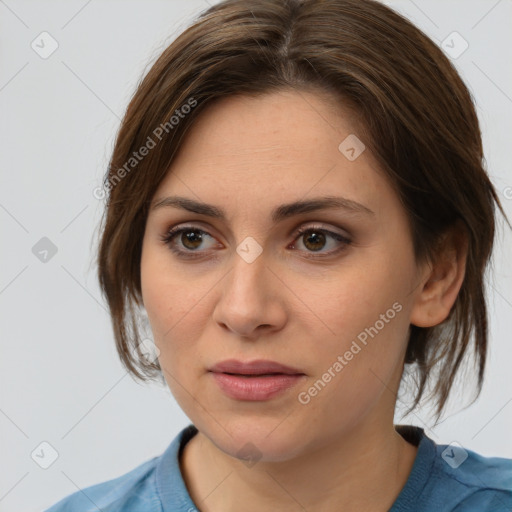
<point>257,367</point>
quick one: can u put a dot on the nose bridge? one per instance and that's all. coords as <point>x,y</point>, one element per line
<point>247,271</point>
<point>244,303</point>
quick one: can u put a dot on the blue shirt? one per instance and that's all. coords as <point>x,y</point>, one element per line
<point>443,478</point>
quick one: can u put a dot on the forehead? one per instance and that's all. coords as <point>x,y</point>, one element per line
<point>286,125</point>
<point>253,150</point>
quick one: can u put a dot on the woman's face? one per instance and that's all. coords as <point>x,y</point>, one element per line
<point>334,302</point>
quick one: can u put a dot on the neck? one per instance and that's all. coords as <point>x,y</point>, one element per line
<point>364,469</point>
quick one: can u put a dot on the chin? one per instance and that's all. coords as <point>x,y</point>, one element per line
<point>255,439</point>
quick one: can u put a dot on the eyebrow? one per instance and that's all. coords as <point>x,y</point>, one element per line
<point>279,213</point>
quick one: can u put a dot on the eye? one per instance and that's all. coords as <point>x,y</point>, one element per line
<point>316,238</point>
<point>187,244</point>
<point>189,241</point>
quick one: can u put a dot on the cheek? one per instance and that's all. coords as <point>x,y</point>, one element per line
<point>354,367</point>
<point>171,316</point>
<point>162,287</point>
<point>161,294</point>
<point>364,315</point>
<point>357,296</point>
<point>176,309</point>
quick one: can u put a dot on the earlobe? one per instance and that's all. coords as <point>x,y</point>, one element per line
<point>442,280</point>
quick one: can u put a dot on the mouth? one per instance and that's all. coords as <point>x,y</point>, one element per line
<point>259,367</point>
<point>252,375</point>
<point>254,381</point>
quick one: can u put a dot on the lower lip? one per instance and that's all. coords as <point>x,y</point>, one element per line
<point>255,388</point>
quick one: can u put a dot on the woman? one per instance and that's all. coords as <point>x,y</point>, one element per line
<point>296,199</point>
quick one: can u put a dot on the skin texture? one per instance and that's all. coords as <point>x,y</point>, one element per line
<point>248,155</point>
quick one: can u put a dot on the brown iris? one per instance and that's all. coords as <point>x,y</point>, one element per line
<point>314,240</point>
<point>191,239</point>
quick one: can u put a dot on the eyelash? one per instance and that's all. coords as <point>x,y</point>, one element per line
<point>187,254</point>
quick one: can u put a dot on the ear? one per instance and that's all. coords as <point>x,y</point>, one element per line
<point>442,279</point>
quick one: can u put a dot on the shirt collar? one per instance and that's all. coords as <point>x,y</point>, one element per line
<point>170,485</point>
<point>421,469</point>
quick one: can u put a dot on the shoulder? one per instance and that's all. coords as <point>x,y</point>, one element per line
<point>132,491</point>
<point>473,481</point>
<point>142,489</point>
<point>451,478</point>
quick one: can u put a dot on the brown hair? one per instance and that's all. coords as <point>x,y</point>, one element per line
<point>414,114</point>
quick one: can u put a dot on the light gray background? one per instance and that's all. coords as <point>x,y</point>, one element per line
<point>61,381</point>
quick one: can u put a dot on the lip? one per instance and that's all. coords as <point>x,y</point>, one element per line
<point>256,367</point>
<point>254,380</point>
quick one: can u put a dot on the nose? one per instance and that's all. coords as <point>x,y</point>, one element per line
<point>250,302</point>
